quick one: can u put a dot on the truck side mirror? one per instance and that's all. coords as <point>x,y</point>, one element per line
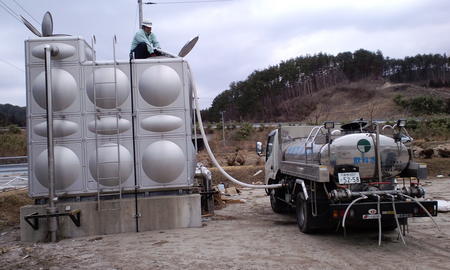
<point>259,148</point>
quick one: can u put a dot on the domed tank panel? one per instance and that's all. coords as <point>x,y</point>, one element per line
<point>160,85</point>
<point>64,89</point>
<point>161,123</point>
<point>108,164</point>
<point>67,167</point>
<point>61,128</point>
<point>108,125</point>
<point>105,89</point>
<point>63,51</point>
<point>163,161</point>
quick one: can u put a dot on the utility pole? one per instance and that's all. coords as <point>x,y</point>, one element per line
<point>140,13</point>
<point>223,128</point>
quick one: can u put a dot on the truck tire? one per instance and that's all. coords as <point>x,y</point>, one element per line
<point>304,215</point>
<point>278,206</point>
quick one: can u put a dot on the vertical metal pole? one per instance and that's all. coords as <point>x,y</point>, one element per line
<point>140,13</point>
<point>377,147</point>
<point>133,119</point>
<point>223,128</point>
<point>52,224</point>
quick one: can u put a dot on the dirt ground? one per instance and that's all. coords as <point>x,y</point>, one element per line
<point>242,236</point>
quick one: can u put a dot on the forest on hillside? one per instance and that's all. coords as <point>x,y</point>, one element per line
<point>12,115</point>
<point>259,96</point>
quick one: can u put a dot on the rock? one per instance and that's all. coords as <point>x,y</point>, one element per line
<point>416,151</point>
<point>231,191</point>
<point>443,150</point>
<point>426,153</point>
<point>240,159</point>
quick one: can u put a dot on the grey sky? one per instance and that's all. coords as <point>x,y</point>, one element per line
<point>236,37</point>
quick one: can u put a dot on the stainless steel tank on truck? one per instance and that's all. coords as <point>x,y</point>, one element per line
<point>348,175</point>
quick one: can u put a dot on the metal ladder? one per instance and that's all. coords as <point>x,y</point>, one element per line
<point>113,189</point>
<point>309,143</point>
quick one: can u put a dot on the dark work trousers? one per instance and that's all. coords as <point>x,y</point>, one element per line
<point>141,52</point>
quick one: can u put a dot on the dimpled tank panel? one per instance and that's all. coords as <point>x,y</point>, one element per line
<point>61,128</point>
<point>64,89</point>
<point>105,89</point>
<point>67,167</point>
<point>64,51</point>
<point>108,170</point>
<point>108,125</point>
<point>161,123</point>
<point>163,161</point>
<point>160,85</point>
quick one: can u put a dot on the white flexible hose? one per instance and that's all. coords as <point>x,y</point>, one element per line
<point>208,149</point>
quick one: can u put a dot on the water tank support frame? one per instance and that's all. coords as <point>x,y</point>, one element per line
<point>33,219</point>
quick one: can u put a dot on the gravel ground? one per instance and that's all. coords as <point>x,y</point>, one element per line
<point>242,236</point>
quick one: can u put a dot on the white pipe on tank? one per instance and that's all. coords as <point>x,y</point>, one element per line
<point>52,223</point>
<point>208,149</point>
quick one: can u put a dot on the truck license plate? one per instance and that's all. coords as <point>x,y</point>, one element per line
<point>349,178</point>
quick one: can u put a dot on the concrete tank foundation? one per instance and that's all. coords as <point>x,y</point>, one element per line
<point>156,213</point>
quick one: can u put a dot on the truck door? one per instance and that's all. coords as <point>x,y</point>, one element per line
<point>271,166</point>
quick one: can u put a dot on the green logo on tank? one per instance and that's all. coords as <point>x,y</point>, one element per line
<point>363,146</point>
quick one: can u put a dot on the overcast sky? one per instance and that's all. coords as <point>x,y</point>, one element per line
<point>236,37</point>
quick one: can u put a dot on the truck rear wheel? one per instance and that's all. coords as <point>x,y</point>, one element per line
<point>278,206</point>
<point>304,215</point>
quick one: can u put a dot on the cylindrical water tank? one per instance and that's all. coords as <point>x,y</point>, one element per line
<point>106,171</point>
<point>160,85</point>
<point>105,90</point>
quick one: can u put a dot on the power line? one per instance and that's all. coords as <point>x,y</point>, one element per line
<point>10,11</point>
<point>17,3</point>
<point>11,64</point>
<point>186,2</point>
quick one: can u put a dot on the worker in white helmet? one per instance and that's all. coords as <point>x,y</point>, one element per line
<point>144,43</point>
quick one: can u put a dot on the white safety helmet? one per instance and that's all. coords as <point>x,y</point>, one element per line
<point>147,23</point>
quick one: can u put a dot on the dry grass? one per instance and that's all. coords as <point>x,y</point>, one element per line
<point>437,166</point>
<point>10,203</point>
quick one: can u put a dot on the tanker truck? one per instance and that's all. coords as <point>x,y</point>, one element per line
<point>361,174</point>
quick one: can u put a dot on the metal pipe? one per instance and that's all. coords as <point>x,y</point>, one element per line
<point>363,197</point>
<point>379,218</point>
<point>52,224</point>
<point>399,230</point>
<point>377,148</point>
<point>133,118</point>
<point>140,13</point>
<point>424,209</point>
<point>302,183</point>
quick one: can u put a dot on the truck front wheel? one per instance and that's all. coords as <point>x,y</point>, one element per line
<point>304,215</point>
<point>278,206</point>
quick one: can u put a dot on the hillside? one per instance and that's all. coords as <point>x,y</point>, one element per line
<point>348,101</point>
<point>346,86</point>
<point>12,115</point>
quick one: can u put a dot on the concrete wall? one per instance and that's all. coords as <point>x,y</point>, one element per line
<point>157,213</point>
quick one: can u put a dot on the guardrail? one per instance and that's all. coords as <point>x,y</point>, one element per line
<point>13,160</point>
<point>14,168</point>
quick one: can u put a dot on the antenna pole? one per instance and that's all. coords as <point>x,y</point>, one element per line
<point>140,13</point>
